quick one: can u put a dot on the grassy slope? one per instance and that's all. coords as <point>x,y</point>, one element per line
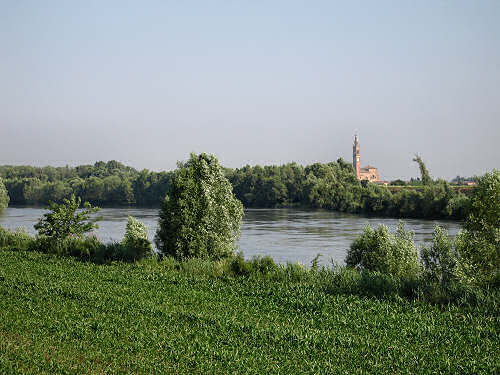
<point>62,316</point>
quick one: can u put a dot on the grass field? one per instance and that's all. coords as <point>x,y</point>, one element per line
<point>58,315</point>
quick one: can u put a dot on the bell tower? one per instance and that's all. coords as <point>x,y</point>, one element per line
<point>356,157</point>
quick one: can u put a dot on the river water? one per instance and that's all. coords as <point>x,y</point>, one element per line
<point>287,235</point>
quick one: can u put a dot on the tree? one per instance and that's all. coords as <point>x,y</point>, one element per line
<point>200,216</point>
<point>478,245</point>
<point>65,220</point>
<point>424,173</point>
<point>4,197</point>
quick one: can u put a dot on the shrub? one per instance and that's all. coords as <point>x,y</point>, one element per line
<point>108,252</point>
<point>439,259</point>
<point>200,217</point>
<point>458,207</point>
<point>378,250</point>
<point>376,284</point>
<point>15,240</point>
<point>239,266</point>
<point>136,242</point>
<point>43,244</point>
<point>344,280</point>
<point>478,245</point>
<point>83,248</point>
<point>134,230</point>
<point>263,265</point>
<point>65,220</point>
<point>295,272</point>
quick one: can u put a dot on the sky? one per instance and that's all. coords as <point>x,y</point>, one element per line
<point>253,82</point>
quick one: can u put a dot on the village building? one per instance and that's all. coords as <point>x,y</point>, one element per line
<point>369,172</point>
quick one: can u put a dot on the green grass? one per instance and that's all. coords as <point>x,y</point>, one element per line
<point>59,315</point>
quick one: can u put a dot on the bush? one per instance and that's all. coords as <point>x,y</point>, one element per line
<point>239,266</point>
<point>295,272</point>
<point>136,243</point>
<point>376,284</point>
<point>378,250</point>
<point>439,259</point>
<point>263,265</point>
<point>65,220</point>
<point>200,217</point>
<point>478,245</point>
<point>458,207</point>
<point>83,248</point>
<point>43,244</point>
<point>15,240</point>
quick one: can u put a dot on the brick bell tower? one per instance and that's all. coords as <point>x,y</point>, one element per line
<point>356,157</point>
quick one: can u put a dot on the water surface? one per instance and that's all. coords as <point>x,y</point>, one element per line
<point>287,235</point>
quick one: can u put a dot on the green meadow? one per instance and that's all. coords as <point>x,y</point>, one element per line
<point>61,315</point>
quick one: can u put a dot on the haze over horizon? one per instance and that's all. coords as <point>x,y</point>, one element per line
<point>146,83</point>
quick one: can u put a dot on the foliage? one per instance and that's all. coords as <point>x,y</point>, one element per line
<point>478,245</point>
<point>62,233</point>
<point>332,186</point>
<point>398,182</point>
<point>458,206</point>
<point>424,173</point>
<point>200,217</point>
<point>136,240</point>
<point>110,183</point>
<point>4,196</point>
<point>258,265</point>
<point>65,220</point>
<point>439,260</point>
<point>380,251</point>
<point>15,240</point>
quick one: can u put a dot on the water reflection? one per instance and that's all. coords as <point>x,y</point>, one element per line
<point>287,235</point>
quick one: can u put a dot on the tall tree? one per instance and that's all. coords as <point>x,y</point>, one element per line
<point>478,245</point>
<point>200,216</point>
<point>424,173</point>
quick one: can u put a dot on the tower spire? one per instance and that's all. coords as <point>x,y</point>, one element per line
<point>356,157</point>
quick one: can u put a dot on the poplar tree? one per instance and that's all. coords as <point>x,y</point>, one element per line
<point>200,217</point>
<point>424,173</point>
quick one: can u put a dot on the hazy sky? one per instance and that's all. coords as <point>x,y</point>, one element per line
<point>254,82</point>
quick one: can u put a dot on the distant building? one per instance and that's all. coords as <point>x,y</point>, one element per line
<point>366,173</point>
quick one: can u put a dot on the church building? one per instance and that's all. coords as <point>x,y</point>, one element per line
<point>366,173</point>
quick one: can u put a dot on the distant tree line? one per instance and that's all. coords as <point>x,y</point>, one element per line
<point>331,186</point>
<point>334,186</point>
<point>104,184</point>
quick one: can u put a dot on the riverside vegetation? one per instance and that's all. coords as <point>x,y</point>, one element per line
<point>212,311</point>
<point>331,186</point>
<point>4,196</point>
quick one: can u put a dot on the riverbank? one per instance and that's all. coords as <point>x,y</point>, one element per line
<point>333,186</point>
<point>60,315</point>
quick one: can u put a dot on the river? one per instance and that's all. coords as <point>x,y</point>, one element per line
<point>287,235</point>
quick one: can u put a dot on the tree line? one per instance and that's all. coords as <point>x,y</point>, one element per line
<point>331,186</point>
<point>104,183</point>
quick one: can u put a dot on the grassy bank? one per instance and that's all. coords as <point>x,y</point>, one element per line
<point>60,315</point>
